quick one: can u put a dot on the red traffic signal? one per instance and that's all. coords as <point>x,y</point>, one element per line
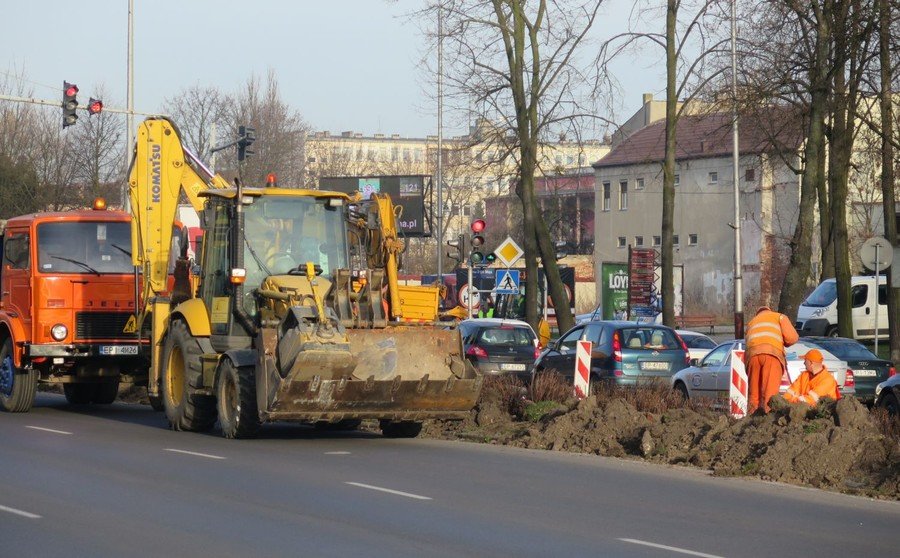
<point>478,225</point>
<point>71,89</point>
<point>69,104</point>
<point>95,106</point>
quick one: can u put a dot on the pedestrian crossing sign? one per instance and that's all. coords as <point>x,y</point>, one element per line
<point>507,281</point>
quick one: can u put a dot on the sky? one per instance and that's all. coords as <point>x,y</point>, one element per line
<point>343,64</point>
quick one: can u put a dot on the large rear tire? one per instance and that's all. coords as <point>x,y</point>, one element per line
<point>17,387</point>
<point>79,394</point>
<point>106,392</point>
<point>236,400</point>
<point>185,409</point>
<point>400,429</point>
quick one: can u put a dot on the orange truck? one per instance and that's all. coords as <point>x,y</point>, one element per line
<point>67,307</point>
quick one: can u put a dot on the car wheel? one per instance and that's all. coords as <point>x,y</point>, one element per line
<point>832,332</point>
<point>682,390</point>
<point>890,404</point>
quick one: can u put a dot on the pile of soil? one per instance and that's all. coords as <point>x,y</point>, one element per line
<point>835,446</point>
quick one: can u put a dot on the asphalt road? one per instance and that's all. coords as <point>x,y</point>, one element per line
<point>115,482</point>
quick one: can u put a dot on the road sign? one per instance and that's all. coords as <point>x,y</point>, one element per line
<point>508,253</point>
<point>737,386</point>
<point>464,292</point>
<point>507,281</point>
<point>583,369</point>
<point>876,253</point>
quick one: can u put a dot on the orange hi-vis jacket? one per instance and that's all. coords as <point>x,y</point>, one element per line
<point>768,333</point>
<point>809,388</point>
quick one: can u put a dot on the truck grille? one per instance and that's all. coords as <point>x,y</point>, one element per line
<point>102,325</point>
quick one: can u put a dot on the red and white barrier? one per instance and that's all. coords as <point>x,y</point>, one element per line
<point>737,386</point>
<point>583,369</point>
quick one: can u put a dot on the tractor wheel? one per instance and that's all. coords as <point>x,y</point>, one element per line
<point>185,409</point>
<point>17,387</point>
<point>105,393</point>
<point>400,429</point>
<point>79,394</point>
<point>236,400</point>
<point>340,426</point>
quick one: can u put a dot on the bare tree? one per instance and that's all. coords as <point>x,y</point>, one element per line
<point>197,110</point>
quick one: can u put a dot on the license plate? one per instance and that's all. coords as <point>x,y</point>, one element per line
<point>511,366</point>
<point>654,366</point>
<point>868,373</point>
<point>118,349</point>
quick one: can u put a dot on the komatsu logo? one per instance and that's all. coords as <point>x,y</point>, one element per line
<point>155,163</point>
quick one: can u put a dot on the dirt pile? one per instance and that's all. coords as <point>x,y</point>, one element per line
<point>836,446</point>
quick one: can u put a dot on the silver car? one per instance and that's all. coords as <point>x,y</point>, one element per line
<point>710,379</point>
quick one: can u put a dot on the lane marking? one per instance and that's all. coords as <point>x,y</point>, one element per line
<point>48,430</point>
<point>671,548</point>
<point>389,491</point>
<point>194,453</point>
<point>337,453</point>
<point>29,515</point>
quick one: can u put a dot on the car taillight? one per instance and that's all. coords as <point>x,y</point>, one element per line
<point>687,353</point>
<point>617,347</point>
<point>849,380</point>
<point>476,351</point>
<point>537,352</point>
<point>892,372</point>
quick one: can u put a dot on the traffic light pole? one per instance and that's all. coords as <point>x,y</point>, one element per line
<point>472,291</point>
<point>58,104</point>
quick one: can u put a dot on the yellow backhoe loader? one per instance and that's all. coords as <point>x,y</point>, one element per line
<point>295,313</point>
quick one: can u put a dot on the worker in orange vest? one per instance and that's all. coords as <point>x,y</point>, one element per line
<point>814,383</point>
<point>767,334</point>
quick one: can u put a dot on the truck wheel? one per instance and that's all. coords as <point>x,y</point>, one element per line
<point>17,387</point>
<point>79,394</point>
<point>236,400</point>
<point>156,403</point>
<point>185,410</point>
<point>400,429</point>
<point>105,393</point>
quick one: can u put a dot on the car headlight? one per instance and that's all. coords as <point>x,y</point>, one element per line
<point>818,313</point>
<point>878,390</point>
<point>59,332</point>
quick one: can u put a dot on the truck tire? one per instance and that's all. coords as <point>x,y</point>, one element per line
<point>185,409</point>
<point>400,429</point>
<point>106,392</point>
<point>17,387</point>
<point>79,394</point>
<point>156,402</point>
<point>236,400</point>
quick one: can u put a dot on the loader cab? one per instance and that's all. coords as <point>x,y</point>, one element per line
<point>281,233</point>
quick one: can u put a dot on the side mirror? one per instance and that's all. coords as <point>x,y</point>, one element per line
<point>695,362</point>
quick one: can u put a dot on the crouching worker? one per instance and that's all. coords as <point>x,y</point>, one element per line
<point>813,384</point>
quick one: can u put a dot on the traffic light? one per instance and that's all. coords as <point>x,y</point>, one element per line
<point>95,106</point>
<point>459,248</point>
<point>476,256</point>
<point>248,136</point>
<point>69,104</point>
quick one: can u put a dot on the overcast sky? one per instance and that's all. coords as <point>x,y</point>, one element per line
<point>344,64</point>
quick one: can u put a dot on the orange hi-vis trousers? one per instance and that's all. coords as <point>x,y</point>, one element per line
<point>764,374</point>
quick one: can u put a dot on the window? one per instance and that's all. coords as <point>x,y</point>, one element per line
<point>606,196</point>
<point>568,342</point>
<point>677,180</point>
<point>714,177</point>
<point>692,239</point>
<point>16,253</point>
<point>674,240</point>
<point>858,295</point>
<point>750,175</point>
<point>639,184</point>
<point>395,153</point>
<point>882,295</point>
<point>623,195</point>
<point>718,357</point>
<point>657,240</point>
<point>639,241</point>
<point>621,242</point>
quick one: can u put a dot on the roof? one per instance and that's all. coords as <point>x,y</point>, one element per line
<point>708,136</point>
<point>74,215</point>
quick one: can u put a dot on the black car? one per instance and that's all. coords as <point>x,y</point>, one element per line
<point>868,369</point>
<point>623,353</point>
<point>497,346</point>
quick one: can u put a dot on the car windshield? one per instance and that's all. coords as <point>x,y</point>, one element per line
<point>85,247</point>
<point>648,338</point>
<point>847,350</point>
<point>824,295</point>
<point>515,336</point>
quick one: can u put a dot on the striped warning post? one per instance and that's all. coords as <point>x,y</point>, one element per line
<point>737,387</point>
<point>583,369</point>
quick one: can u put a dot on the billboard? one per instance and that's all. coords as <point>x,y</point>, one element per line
<point>614,290</point>
<point>409,192</point>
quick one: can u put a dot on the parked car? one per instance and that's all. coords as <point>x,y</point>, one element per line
<point>887,395</point>
<point>868,369</point>
<point>698,344</point>
<point>624,353</point>
<point>710,379</point>
<point>497,346</point>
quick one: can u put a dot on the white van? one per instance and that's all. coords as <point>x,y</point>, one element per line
<point>817,314</point>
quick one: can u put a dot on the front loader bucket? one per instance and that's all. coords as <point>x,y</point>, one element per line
<point>410,351</point>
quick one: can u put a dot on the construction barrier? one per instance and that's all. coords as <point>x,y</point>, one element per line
<point>737,387</point>
<point>583,369</point>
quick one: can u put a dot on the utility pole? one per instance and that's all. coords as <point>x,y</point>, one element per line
<point>738,279</point>
<point>440,145</point>
<point>129,141</point>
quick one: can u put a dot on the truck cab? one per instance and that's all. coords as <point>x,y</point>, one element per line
<point>817,315</point>
<point>67,307</point>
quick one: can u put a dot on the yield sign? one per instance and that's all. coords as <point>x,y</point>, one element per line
<point>508,252</point>
<point>507,281</point>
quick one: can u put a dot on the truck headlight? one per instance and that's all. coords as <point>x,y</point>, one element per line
<point>59,332</point>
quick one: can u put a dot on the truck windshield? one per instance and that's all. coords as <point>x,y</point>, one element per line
<point>824,295</point>
<point>283,233</point>
<point>84,247</point>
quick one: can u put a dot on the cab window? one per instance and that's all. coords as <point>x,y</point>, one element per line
<point>16,251</point>
<point>859,295</point>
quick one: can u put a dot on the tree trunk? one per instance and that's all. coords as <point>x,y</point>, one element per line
<point>668,205</point>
